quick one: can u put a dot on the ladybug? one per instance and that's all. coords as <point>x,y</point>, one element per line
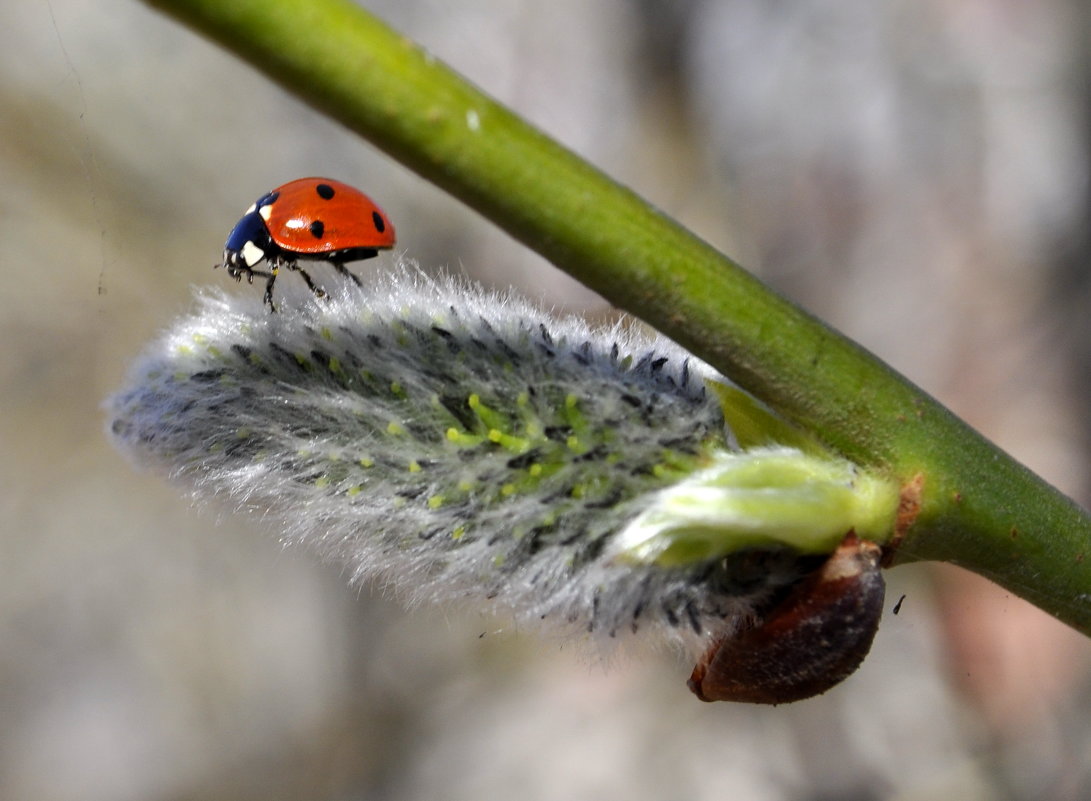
<point>314,219</point>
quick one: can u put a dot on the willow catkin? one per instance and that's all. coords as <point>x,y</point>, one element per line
<point>462,444</point>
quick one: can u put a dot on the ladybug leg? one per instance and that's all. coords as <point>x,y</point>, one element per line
<point>341,268</point>
<point>268,296</point>
<point>318,291</point>
<point>236,272</point>
<point>271,278</point>
<point>250,275</point>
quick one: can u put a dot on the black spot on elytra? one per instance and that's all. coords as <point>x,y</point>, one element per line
<point>317,229</point>
<point>325,191</point>
<point>377,219</point>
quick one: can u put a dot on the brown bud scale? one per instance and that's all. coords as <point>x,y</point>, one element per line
<point>810,641</point>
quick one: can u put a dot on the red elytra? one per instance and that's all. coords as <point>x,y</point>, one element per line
<point>319,216</point>
<point>316,219</point>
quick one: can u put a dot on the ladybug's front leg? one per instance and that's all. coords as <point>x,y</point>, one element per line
<point>271,277</point>
<point>237,272</point>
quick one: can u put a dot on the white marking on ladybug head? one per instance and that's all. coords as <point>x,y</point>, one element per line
<point>251,253</point>
<point>266,211</point>
<point>253,207</point>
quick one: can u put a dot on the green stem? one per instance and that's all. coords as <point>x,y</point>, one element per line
<point>979,509</point>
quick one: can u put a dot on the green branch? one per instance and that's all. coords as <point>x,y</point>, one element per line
<point>979,508</point>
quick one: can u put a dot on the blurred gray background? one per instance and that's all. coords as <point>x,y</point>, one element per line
<point>913,172</point>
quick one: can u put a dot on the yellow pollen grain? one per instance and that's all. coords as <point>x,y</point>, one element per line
<point>414,466</point>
